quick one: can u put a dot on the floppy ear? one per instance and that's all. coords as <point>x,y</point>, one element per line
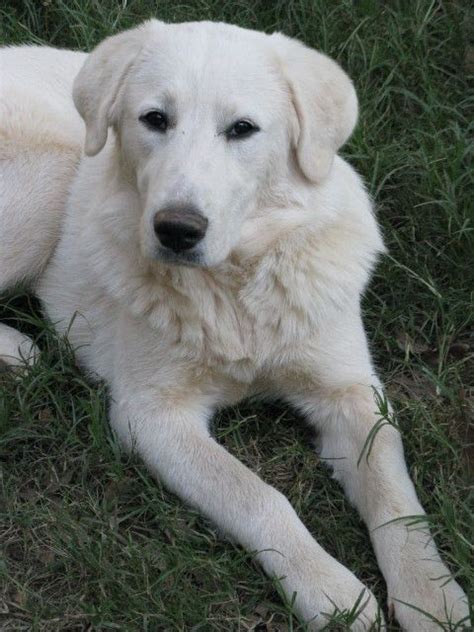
<point>325,102</point>
<point>98,83</point>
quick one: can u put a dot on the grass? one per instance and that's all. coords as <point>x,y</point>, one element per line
<point>89,541</point>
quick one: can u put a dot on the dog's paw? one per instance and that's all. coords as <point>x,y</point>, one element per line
<point>335,599</point>
<point>17,350</point>
<point>430,602</point>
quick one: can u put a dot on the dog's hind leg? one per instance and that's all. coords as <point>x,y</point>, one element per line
<point>41,137</point>
<point>33,191</point>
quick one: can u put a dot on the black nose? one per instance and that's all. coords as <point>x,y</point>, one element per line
<point>180,227</point>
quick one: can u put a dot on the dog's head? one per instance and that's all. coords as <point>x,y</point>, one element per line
<point>208,118</point>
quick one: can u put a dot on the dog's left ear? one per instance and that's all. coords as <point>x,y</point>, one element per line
<point>325,102</point>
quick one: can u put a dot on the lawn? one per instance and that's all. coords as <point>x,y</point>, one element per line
<point>88,540</point>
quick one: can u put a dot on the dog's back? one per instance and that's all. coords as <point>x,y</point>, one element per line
<point>41,137</point>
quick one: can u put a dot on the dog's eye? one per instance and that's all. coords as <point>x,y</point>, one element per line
<point>155,120</point>
<point>241,129</point>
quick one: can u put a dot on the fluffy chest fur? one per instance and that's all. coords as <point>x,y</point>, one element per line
<point>235,318</point>
<point>247,314</point>
<point>254,312</point>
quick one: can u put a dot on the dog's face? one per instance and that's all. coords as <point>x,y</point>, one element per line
<point>209,117</point>
<point>202,123</point>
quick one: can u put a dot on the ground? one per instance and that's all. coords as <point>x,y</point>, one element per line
<point>88,540</point>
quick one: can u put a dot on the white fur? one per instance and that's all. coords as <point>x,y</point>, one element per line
<point>271,307</point>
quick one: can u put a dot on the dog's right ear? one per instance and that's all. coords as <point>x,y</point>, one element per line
<point>98,83</point>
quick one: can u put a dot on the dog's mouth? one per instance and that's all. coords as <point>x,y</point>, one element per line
<point>187,259</point>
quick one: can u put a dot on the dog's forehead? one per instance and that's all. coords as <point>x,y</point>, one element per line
<point>209,58</point>
<point>202,41</point>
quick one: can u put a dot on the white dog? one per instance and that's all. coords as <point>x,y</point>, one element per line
<point>214,246</point>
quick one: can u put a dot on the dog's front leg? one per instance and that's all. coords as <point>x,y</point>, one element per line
<point>336,388</point>
<point>169,430</point>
